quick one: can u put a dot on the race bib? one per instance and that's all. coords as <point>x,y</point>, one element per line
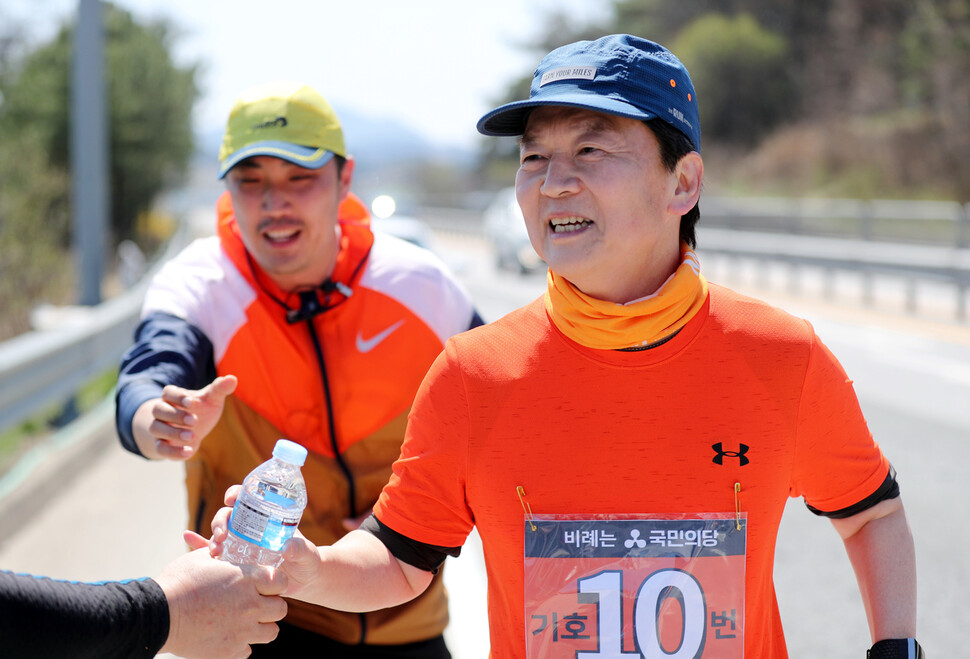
<point>669,587</point>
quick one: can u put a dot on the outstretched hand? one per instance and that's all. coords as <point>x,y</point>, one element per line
<point>174,425</point>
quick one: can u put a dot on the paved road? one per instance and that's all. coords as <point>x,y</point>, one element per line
<point>121,517</point>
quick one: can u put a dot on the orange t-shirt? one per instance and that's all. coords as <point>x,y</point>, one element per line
<point>583,431</point>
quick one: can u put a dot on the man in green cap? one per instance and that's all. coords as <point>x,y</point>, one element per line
<point>296,320</point>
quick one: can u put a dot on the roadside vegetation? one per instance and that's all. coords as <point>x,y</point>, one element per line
<point>17,441</point>
<point>150,103</point>
<point>831,98</point>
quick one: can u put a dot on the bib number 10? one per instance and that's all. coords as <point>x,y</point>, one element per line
<point>606,588</point>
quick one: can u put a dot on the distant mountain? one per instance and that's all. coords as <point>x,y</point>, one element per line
<point>381,139</point>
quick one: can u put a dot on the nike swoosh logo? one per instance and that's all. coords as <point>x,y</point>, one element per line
<point>366,345</point>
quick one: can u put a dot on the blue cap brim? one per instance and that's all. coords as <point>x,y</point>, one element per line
<point>304,156</point>
<point>509,119</point>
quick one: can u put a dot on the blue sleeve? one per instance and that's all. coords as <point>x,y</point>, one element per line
<point>476,320</point>
<point>167,350</point>
<point>47,618</point>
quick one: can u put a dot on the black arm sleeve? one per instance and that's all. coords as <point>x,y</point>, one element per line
<point>41,618</point>
<point>888,490</point>
<point>412,552</point>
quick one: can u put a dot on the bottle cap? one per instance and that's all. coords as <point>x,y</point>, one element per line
<point>291,452</point>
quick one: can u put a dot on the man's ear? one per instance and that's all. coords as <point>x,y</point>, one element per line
<point>346,177</point>
<point>689,175</point>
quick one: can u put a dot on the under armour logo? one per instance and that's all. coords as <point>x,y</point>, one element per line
<point>739,454</point>
<point>635,539</point>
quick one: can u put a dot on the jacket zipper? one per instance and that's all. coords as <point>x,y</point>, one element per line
<point>332,427</point>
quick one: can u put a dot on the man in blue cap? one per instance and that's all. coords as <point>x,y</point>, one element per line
<point>625,444</point>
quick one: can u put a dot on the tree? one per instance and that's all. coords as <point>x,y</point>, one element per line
<point>879,86</point>
<point>936,78</point>
<point>149,103</point>
<point>34,214</point>
<point>739,71</point>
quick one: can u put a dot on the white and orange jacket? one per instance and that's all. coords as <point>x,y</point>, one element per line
<point>335,370</point>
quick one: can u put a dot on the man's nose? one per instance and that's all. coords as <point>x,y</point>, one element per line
<point>561,177</point>
<point>274,200</point>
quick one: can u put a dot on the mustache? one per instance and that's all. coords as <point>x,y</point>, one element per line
<point>278,223</point>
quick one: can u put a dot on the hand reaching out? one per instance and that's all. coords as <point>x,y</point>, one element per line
<point>173,426</point>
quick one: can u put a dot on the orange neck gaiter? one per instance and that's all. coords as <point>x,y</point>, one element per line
<point>609,326</point>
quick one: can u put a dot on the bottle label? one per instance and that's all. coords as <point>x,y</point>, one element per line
<point>268,530</point>
<point>274,495</point>
<point>248,522</point>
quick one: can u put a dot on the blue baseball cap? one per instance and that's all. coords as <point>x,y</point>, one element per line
<point>619,74</point>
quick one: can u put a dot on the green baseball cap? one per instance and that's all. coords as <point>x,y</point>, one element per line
<point>287,120</point>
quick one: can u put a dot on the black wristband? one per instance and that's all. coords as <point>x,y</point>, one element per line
<point>896,648</point>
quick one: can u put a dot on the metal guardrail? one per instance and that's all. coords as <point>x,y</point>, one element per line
<point>912,241</point>
<point>909,263</point>
<point>42,368</point>
<point>922,222</point>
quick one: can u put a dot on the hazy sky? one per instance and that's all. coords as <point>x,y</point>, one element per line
<point>437,65</point>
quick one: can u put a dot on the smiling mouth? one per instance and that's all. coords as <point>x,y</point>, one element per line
<point>280,232</point>
<point>569,224</point>
<point>281,235</point>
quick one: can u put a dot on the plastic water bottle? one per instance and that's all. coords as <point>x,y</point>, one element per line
<point>268,509</point>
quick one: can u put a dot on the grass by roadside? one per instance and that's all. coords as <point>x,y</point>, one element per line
<point>15,442</point>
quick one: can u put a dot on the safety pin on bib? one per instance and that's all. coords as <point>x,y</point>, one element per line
<point>525,506</point>
<point>737,504</point>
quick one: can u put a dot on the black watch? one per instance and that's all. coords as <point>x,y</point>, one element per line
<point>896,648</point>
